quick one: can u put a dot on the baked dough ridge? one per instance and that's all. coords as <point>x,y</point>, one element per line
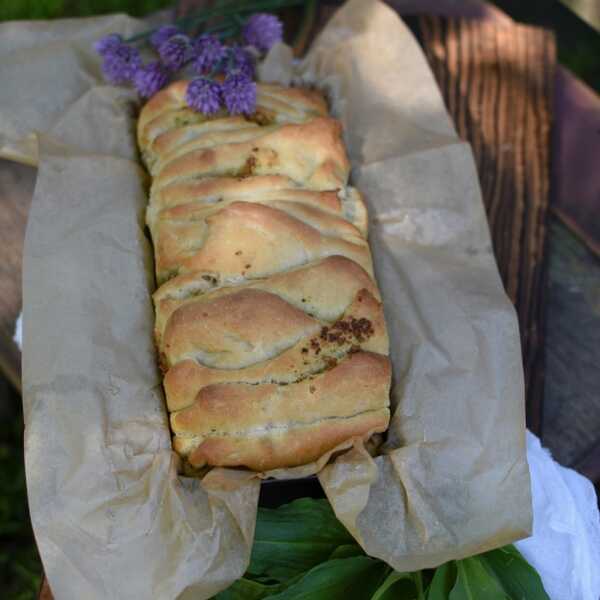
<point>269,323</point>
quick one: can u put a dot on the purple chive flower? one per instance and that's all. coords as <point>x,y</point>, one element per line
<point>162,34</point>
<point>150,78</point>
<point>262,31</point>
<point>204,95</point>
<point>108,43</point>
<point>239,94</point>
<point>120,63</point>
<point>209,52</point>
<point>240,61</point>
<point>175,51</point>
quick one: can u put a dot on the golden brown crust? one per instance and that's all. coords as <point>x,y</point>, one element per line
<point>314,351</point>
<point>193,200</point>
<point>248,240</point>
<point>269,323</point>
<point>275,103</point>
<point>235,331</point>
<point>262,426</point>
<point>311,154</point>
<point>303,288</point>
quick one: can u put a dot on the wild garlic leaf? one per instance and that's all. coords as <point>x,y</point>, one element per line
<point>355,578</point>
<point>443,581</point>
<point>347,550</point>
<point>246,589</point>
<point>473,582</point>
<point>518,578</point>
<point>395,586</point>
<point>294,538</point>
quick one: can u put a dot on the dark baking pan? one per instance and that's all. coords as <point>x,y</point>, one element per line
<point>275,492</point>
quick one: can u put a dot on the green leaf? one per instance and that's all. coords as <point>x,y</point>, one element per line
<point>518,578</point>
<point>355,578</point>
<point>443,581</point>
<point>245,589</point>
<point>396,585</point>
<point>475,583</point>
<point>418,579</point>
<point>346,551</point>
<point>295,537</point>
<point>20,567</point>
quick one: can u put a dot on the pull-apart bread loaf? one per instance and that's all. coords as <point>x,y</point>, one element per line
<point>269,323</point>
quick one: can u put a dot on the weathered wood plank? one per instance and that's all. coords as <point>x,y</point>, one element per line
<point>16,189</point>
<point>497,81</point>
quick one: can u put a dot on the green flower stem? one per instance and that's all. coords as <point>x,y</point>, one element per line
<point>217,28</point>
<point>418,579</point>
<point>225,11</point>
<point>306,25</point>
<point>238,19</point>
<point>229,33</point>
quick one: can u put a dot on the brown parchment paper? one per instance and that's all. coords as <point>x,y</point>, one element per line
<point>453,480</point>
<point>111,516</point>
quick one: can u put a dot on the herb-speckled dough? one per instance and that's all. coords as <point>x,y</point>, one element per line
<point>269,323</point>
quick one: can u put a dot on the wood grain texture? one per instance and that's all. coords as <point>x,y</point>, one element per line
<point>497,83</point>
<point>16,189</point>
<point>572,341</point>
<point>575,198</point>
<point>45,592</point>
